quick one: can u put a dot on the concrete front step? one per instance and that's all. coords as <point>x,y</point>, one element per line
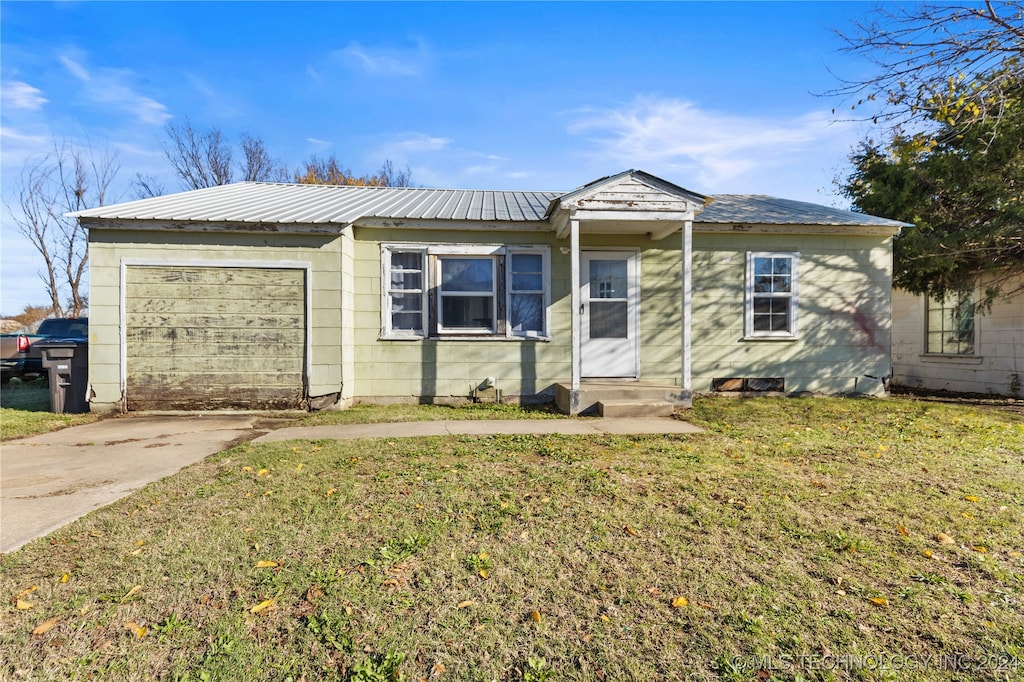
<point>622,409</point>
<point>592,393</point>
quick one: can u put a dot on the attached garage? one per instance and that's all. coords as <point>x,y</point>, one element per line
<point>209,337</point>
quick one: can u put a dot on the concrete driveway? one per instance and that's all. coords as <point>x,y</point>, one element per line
<point>50,480</point>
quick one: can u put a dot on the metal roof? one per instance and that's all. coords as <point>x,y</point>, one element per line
<point>258,202</point>
<point>760,209</point>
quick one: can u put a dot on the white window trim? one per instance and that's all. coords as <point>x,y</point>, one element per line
<point>431,274</point>
<point>545,254</point>
<point>387,331</point>
<point>794,298</point>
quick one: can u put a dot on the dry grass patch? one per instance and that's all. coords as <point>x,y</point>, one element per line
<point>25,411</point>
<point>795,539</point>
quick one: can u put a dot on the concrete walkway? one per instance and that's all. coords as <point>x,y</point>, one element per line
<point>48,481</point>
<point>485,427</point>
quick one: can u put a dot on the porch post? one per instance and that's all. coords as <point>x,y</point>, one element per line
<point>576,302</point>
<point>685,382</point>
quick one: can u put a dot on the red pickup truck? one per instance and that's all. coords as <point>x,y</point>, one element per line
<point>20,354</point>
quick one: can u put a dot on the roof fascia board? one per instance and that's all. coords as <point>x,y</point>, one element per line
<point>764,228</point>
<point>478,225</point>
<point>211,226</point>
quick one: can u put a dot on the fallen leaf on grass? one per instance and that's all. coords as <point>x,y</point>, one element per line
<point>680,602</point>
<point>981,549</point>
<point>465,604</point>
<point>262,472</point>
<point>535,616</point>
<point>927,554</point>
<point>264,605</point>
<point>27,590</point>
<point>44,627</point>
<point>267,563</point>
<point>630,531</point>
<point>131,593</point>
<point>971,498</point>
<point>24,605</point>
<point>483,573</point>
<point>138,630</point>
<point>902,530</point>
<point>945,539</point>
<point>879,601</point>
<point>66,577</point>
<point>299,468</point>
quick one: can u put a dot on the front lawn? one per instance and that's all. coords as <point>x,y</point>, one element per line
<point>25,411</point>
<point>795,539</point>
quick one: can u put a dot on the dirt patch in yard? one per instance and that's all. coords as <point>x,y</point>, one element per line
<point>1004,403</point>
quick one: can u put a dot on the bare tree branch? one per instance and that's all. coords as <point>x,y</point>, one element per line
<point>63,181</point>
<point>949,63</point>
<point>199,158</point>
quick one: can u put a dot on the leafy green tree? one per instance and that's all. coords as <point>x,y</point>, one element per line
<point>962,187</point>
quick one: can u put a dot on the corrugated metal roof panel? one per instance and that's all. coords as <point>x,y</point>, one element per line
<point>254,202</point>
<point>765,210</point>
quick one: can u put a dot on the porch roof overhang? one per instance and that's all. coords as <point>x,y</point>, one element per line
<point>632,202</point>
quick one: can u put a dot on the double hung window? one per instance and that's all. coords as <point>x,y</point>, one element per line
<point>950,324</point>
<point>771,295</point>
<point>465,290</point>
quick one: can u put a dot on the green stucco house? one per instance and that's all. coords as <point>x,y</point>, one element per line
<point>263,295</point>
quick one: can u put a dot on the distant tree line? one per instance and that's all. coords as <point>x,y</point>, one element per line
<point>70,178</point>
<point>206,158</point>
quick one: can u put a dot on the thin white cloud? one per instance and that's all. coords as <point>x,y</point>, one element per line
<point>112,87</point>
<point>20,95</point>
<point>716,147</point>
<point>383,61</point>
<point>318,142</point>
<point>407,144</point>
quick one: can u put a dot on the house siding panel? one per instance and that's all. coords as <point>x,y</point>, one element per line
<point>997,368</point>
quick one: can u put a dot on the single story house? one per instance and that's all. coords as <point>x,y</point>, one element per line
<point>949,345</point>
<point>279,295</point>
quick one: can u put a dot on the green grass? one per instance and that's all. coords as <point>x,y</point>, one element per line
<point>792,540</point>
<point>25,411</point>
<point>375,414</point>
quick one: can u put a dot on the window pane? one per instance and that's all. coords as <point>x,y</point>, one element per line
<point>467,312</point>
<point>527,314</point>
<point>527,282</point>
<point>467,274</point>
<point>771,314</point>
<point>608,279</point>
<point>406,303</point>
<point>609,319</point>
<point>406,260</point>
<point>527,263</point>
<point>406,280</point>
<point>773,275</point>
<point>407,312</point>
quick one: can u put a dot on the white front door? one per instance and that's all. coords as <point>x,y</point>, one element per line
<point>608,295</point>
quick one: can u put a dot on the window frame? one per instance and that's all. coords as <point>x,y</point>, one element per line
<point>952,302</point>
<point>440,295</point>
<point>432,322</point>
<point>387,327</point>
<point>793,296</point>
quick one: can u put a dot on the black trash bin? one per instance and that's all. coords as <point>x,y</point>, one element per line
<point>68,365</point>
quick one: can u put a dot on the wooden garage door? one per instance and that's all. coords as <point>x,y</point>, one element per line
<point>212,337</point>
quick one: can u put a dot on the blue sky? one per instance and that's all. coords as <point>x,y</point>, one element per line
<point>717,97</point>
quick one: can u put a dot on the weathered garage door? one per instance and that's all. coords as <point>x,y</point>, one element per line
<point>212,337</point>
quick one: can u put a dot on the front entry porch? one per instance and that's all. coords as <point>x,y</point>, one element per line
<point>620,398</point>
